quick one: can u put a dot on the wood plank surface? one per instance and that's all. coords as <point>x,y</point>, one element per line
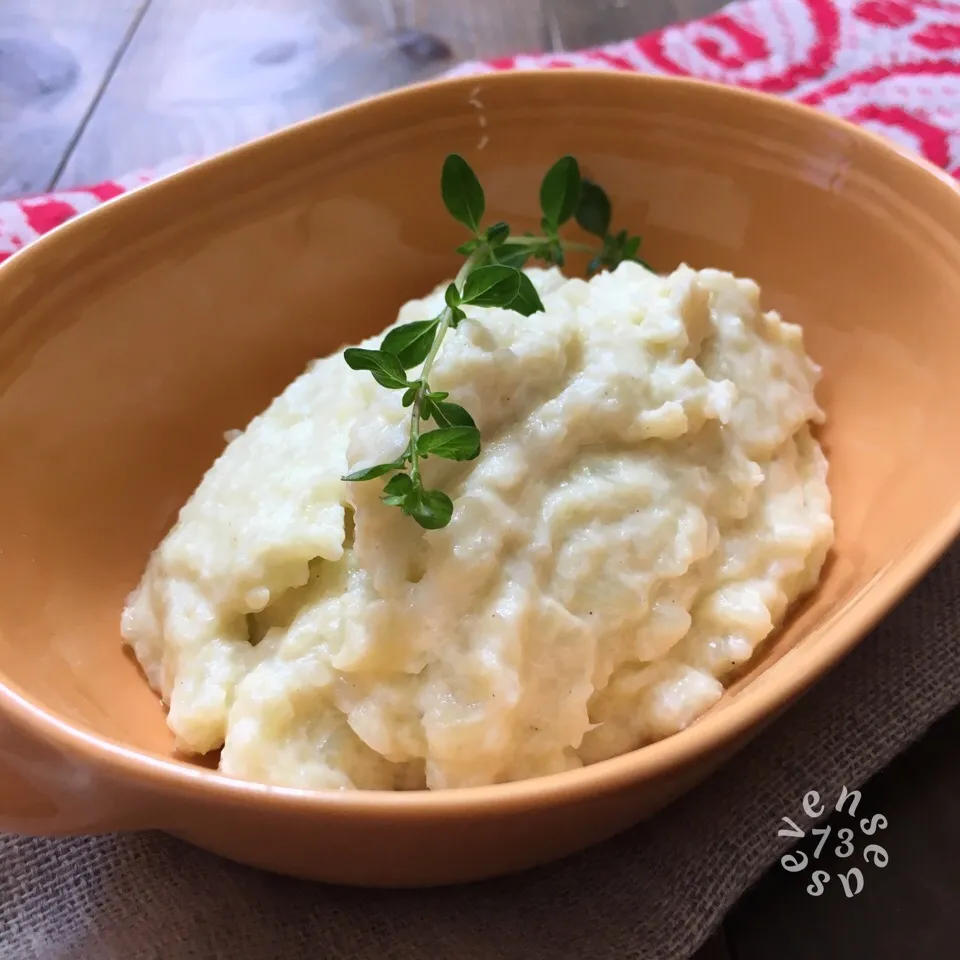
<point>55,56</point>
<point>573,24</point>
<point>203,75</point>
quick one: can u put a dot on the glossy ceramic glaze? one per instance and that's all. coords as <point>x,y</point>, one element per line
<point>133,337</point>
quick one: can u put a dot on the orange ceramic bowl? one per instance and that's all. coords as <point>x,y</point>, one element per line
<point>134,336</point>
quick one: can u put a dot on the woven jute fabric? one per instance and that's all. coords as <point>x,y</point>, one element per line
<point>655,893</point>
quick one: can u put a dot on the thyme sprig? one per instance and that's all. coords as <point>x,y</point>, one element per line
<point>491,276</point>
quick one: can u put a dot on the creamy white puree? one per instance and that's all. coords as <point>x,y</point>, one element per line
<point>647,503</point>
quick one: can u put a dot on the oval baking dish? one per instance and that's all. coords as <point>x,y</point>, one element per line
<point>133,337</point>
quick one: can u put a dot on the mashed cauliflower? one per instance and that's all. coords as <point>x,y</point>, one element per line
<point>647,503</point>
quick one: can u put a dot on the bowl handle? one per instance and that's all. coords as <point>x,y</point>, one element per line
<point>43,793</point>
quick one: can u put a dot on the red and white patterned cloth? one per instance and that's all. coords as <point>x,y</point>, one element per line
<point>891,65</point>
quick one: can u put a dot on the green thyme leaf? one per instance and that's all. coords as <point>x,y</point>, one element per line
<point>551,252</point>
<point>513,254</point>
<point>593,211</point>
<point>560,191</point>
<point>385,367</point>
<point>409,395</point>
<point>432,509</point>
<point>469,246</point>
<point>411,343</point>
<point>527,300</point>
<point>450,414</point>
<point>451,443</point>
<point>456,315</point>
<point>372,472</point>
<point>617,248</point>
<point>492,286</point>
<point>396,490</point>
<point>497,233</point>
<point>462,193</point>
<point>401,483</point>
<point>452,295</point>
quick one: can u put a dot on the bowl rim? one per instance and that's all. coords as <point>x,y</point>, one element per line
<point>122,763</point>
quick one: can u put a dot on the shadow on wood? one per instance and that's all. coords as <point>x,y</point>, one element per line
<point>54,59</point>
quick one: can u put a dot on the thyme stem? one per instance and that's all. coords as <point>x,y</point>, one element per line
<point>446,316</point>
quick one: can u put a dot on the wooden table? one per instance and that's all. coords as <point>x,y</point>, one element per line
<point>91,89</point>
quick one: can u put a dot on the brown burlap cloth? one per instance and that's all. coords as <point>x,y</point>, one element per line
<point>656,892</point>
